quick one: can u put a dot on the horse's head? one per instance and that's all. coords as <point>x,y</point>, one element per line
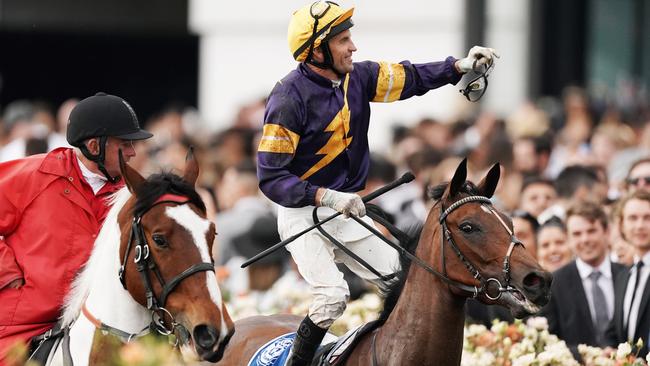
<point>479,252</point>
<point>166,241</point>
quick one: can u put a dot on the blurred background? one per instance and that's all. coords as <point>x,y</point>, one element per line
<point>566,113</point>
<point>570,89</point>
<point>220,57</point>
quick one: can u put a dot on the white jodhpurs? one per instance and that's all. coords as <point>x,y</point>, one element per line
<point>316,257</point>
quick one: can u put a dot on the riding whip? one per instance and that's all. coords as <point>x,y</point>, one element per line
<point>407,177</point>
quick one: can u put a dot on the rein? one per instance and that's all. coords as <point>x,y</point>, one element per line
<point>145,263</point>
<point>125,337</point>
<point>446,236</point>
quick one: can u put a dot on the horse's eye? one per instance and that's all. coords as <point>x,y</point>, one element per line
<point>466,227</point>
<point>159,240</point>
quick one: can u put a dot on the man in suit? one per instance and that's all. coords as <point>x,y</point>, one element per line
<point>631,319</point>
<point>582,301</point>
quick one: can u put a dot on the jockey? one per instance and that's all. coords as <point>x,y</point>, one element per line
<point>51,209</point>
<point>314,152</point>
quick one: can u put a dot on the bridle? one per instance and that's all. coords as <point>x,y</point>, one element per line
<point>446,236</point>
<point>144,264</point>
<point>482,288</point>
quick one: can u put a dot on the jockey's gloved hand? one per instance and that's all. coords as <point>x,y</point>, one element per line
<point>476,58</point>
<point>345,203</point>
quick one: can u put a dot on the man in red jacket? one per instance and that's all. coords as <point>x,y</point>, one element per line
<point>51,209</point>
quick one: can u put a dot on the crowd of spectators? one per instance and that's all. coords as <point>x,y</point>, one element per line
<point>566,163</point>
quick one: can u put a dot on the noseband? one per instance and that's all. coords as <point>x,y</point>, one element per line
<point>446,236</point>
<point>144,264</point>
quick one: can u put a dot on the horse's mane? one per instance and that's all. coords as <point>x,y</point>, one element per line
<point>158,184</point>
<point>394,290</point>
<point>109,236</point>
<point>395,287</point>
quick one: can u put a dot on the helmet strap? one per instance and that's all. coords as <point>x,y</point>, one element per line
<point>99,158</point>
<point>328,60</point>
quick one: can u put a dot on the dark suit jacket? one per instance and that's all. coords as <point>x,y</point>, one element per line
<point>616,332</point>
<point>568,311</point>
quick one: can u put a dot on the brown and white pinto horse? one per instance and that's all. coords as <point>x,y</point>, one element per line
<point>151,264</point>
<point>466,249</point>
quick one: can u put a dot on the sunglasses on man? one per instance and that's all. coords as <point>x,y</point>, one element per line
<point>635,181</point>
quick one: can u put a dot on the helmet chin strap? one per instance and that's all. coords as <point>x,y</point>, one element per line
<point>328,61</point>
<point>99,158</point>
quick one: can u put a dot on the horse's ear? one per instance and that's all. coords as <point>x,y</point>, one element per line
<point>191,167</point>
<point>132,178</point>
<point>459,178</point>
<point>489,183</point>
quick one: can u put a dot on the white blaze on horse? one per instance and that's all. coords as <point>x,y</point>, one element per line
<point>150,265</point>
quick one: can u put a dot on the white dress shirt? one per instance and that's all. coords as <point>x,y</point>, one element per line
<point>96,181</point>
<point>633,315</point>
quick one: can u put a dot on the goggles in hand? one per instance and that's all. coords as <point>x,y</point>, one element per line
<point>477,86</point>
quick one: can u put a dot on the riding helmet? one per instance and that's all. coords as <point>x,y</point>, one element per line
<point>313,25</point>
<point>103,115</point>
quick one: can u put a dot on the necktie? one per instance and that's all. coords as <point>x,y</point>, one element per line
<point>637,277</point>
<point>600,305</point>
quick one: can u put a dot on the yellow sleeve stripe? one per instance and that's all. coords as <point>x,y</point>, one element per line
<point>390,82</point>
<point>277,139</point>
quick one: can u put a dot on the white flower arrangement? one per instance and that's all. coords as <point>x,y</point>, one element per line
<point>622,356</point>
<point>624,349</point>
<point>516,344</point>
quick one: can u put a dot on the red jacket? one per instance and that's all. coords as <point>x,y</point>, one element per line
<point>49,218</point>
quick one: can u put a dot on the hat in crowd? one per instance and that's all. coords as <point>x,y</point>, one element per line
<point>103,115</point>
<point>17,111</point>
<point>262,234</point>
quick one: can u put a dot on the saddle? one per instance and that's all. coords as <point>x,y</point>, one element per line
<point>335,354</point>
<point>332,352</point>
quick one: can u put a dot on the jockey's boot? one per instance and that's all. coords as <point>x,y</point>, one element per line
<point>307,340</point>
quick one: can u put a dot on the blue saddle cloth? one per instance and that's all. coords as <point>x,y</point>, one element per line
<point>275,352</point>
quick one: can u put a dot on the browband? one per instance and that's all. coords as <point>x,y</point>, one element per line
<point>170,197</point>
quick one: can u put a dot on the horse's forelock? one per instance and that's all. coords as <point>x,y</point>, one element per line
<point>158,184</point>
<point>436,193</point>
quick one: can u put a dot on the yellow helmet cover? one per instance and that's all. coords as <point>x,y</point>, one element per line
<point>329,19</point>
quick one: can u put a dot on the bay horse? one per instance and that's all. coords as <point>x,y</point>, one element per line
<point>466,249</point>
<point>150,269</point>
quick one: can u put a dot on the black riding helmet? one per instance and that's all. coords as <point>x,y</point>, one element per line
<point>103,115</point>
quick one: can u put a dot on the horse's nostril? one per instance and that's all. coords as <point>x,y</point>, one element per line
<point>205,336</point>
<point>537,280</point>
<point>532,280</point>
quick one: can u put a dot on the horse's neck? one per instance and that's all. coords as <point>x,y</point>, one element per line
<point>426,326</point>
